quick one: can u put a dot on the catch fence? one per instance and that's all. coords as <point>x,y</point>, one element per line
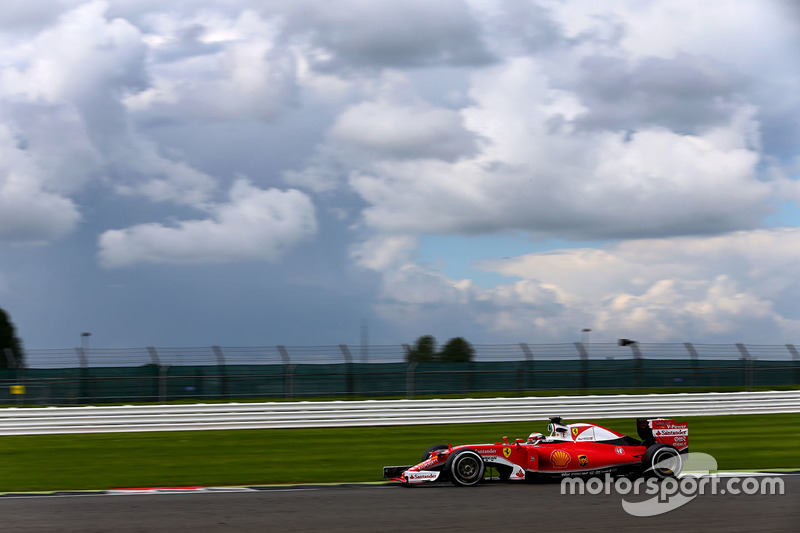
<point>74,377</point>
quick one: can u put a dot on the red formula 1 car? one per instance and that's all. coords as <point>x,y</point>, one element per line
<point>569,450</point>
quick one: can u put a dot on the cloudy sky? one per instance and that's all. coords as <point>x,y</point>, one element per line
<point>260,172</point>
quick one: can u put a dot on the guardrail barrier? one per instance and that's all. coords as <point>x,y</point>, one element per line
<point>51,420</point>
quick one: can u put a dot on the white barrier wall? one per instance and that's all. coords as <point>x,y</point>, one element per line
<point>51,420</point>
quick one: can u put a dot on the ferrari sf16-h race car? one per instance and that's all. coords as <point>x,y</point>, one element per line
<point>569,450</point>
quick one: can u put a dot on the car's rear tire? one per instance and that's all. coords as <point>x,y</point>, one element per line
<point>434,448</point>
<point>662,461</point>
<point>465,468</point>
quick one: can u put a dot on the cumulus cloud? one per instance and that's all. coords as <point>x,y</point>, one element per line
<point>536,171</point>
<point>381,252</point>
<point>735,39</point>
<point>664,288</point>
<point>586,138</point>
<point>395,125</point>
<point>23,15</point>
<point>30,211</point>
<point>213,65</point>
<point>254,225</point>
<point>657,290</point>
<point>403,131</point>
<point>685,93</point>
<point>64,91</point>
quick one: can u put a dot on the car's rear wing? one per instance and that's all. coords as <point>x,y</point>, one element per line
<point>664,431</point>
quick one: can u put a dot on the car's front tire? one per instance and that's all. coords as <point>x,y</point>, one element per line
<point>466,468</point>
<point>434,448</point>
<point>662,461</point>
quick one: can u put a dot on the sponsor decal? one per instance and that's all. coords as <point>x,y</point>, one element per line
<point>560,458</point>
<point>575,432</point>
<point>430,462</point>
<point>490,452</point>
<point>669,432</point>
<point>419,476</point>
<point>619,450</point>
<point>583,460</point>
<point>506,452</point>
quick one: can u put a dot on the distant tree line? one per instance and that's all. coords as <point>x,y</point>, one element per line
<point>456,350</point>
<point>11,354</point>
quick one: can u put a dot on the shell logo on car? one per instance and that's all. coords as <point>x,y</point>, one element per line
<point>560,458</point>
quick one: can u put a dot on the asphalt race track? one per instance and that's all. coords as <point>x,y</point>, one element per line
<point>360,508</point>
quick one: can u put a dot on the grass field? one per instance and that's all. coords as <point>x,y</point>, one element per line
<point>245,457</point>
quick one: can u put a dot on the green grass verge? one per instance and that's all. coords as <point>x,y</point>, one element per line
<point>245,457</point>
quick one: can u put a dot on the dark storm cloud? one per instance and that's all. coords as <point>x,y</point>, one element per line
<point>522,28</point>
<point>685,94</point>
<point>24,15</point>
<point>357,34</point>
<point>188,43</point>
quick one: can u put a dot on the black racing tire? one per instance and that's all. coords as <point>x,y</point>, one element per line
<point>465,468</point>
<point>662,461</point>
<point>434,448</point>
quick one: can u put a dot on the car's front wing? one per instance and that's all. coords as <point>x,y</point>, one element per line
<point>401,474</point>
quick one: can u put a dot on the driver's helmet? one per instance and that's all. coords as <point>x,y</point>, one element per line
<point>535,437</point>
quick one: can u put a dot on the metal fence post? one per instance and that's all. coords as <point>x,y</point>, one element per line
<point>288,373</point>
<point>222,371</point>
<point>747,361</point>
<point>584,371</point>
<point>163,389</point>
<point>20,371</point>
<point>693,357</point>
<point>637,360</point>
<point>157,371</point>
<point>793,351</point>
<point>411,372</point>
<point>530,369</point>
<point>84,375</point>
<point>795,363</point>
<point>637,364</point>
<point>348,365</point>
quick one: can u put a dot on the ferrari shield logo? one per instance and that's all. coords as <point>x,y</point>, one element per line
<point>574,432</point>
<point>583,460</point>
<point>506,452</point>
